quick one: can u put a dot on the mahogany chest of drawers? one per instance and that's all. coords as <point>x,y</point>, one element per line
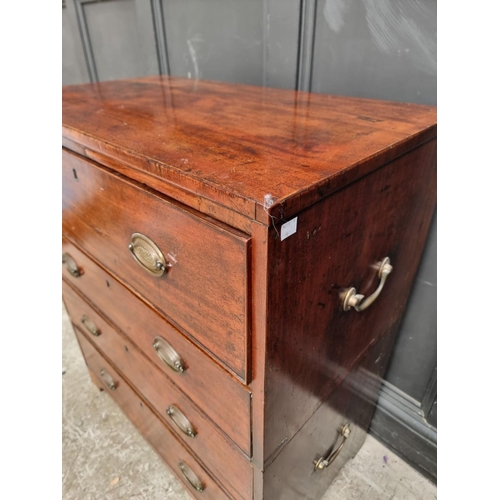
<point>236,261</point>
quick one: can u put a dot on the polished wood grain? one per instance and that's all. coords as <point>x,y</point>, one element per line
<point>205,290</point>
<point>211,172</point>
<point>312,343</point>
<point>292,475</point>
<point>192,199</point>
<point>234,144</point>
<point>203,380</point>
<point>150,426</point>
<point>228,464</point>
<point>259,291</point>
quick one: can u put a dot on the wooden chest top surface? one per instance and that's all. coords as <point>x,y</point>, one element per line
<point>235,144</point>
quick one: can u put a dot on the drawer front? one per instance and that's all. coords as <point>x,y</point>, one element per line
<point>202,379</point>
<point>194,429</point>
<point>150,426</point>
<point>204,288</point>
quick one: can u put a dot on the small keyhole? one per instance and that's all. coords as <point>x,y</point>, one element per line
<point>126,349</point>
<point>74,175</point>
<point>107,283</point>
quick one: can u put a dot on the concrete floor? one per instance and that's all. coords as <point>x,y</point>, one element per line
<point>105,457</point>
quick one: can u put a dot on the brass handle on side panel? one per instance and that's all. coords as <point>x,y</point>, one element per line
<point>71,265</point>
<point>355,300</point>
<point>168,355</point>
<point>323,463</point>
<point>148,255</point>
<point>90,326</point>
<point>181,421</point>
<point>108,379</point>
<point>191,477</point>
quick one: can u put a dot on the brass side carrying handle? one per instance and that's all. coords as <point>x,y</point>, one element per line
<point>323,463</point>
<point>181,421</point>
<point>147,254</point>
<point>191,477</point>
<point>108,379</point>
<point>71,265</point>
<point>90,326</point>
<point>355,300</point>
<point>168,355</point>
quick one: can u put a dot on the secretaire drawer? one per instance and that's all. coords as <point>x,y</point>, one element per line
<point>197,480</point>
<point>202,379</point>
<point>176,410</point>
<point>188,266</point>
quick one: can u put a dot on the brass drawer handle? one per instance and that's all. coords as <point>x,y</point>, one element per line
<point>108,379</point>
<point>191,477</point>
<point>168,355</point>
<point>181,421</point>
<point>353,299</point>
<point>323,463</point>
<point>90,326</point>
<point>71,265</point>
<point>148,255</point>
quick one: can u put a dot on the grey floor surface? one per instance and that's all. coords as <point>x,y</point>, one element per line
<point>105,457</point>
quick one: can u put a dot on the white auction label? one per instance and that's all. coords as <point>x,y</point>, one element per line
<point>288,228</point>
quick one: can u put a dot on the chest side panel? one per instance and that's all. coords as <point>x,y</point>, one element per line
<point>293,475</point>
<point>312,343</point>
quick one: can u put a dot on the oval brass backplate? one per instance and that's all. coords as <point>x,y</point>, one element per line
<point>148,255</point>
<point>108,379</point>
<point>90,326</point>
<point>71,265</point>
<point>191,477</point>
<point>168,355</point>
<point>181,421</point>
